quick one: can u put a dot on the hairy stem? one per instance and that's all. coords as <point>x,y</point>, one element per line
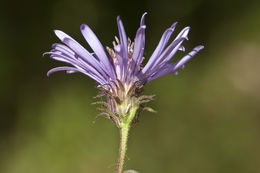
<point>123,147</point>
<point>124,128</point>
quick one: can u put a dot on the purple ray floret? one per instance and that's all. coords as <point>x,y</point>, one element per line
<point>123,62</point>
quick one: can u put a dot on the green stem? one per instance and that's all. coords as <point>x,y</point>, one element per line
<point>124,128</point>
<point>123,147</point>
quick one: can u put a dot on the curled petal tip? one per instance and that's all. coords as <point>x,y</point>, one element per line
<point>142,19</point>
<point>143,16</point>
<point>188,57</point>
<point>49,73</point>
<point>45,53</point>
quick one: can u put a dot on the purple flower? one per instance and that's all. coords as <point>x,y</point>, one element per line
<point>122,64</point>
<point>119,73</point>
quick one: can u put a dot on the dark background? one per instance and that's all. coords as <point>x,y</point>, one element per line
<point>208,115</point>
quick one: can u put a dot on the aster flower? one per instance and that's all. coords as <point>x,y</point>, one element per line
<point>119,72</point>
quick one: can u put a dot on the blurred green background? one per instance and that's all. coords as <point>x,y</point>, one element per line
<point>208,116</point>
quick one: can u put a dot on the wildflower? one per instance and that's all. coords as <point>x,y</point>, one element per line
<point>119,74</point>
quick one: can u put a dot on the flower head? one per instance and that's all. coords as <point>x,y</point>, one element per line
<point>119,73</point>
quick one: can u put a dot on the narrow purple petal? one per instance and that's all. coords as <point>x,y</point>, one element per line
<point>162,43</point>
<point>169,52</point>
<point>81,51</point>
<point>139,45</point>
<point>69,41</point>
<point>97,47</point>
<point>78,63</point>
<point>163,70</point>
<point>138,51</point>
<point>63,48</point>
<point>62,69</point>
<point>60,55</point>
<point>168,56</point>
<point>152,66</point>
<point>72,70</point>
<point>173,48</point>
<point>86,56</point>
<point>188,57</point>
<point>123,39</point>
<point>125,63</point>
<point>172,67</point>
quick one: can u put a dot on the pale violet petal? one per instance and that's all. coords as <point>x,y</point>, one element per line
<point>97,47</point>
<point>123,38</point>
<point>159,48</point>
<point>188,57</point>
